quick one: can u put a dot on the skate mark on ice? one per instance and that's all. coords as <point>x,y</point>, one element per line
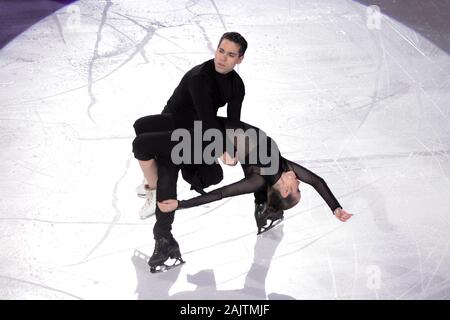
<point>391,24</point>
<point>355,271</point>
<point>146,245</point>
<point>41,286</point>
<point>58,26</point>
<point>333,275</point>
<point>37,171</point>
<point>435,105</point>
<point>240,237</point>
<point>219,15</point>
<point>156,23</point>
<point>397,155</point>
<point>331,117</point>
<point>75,222</point>
<point>220,243</point>
<point>95,56</point>
<point>114,204</point>
<point>106,138</point>
<point>205,36</point>
<point>433,156</point>
<point>373,104</point>
<point>225,201</point>
<point>140,47</point>
<point>419,253</point>
<point>309,243</point>
<point>444,254</point>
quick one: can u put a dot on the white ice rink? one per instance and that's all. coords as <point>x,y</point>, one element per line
<point>363,103</point>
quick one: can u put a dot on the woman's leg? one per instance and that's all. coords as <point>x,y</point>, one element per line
<point>148,146</point>
<point>154,123</point>
<point>148,124</point>
<point>150,171</point>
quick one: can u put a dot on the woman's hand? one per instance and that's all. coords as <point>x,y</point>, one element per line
<point>342,215</point>
<point>228,160</point>
<point>168,205</point>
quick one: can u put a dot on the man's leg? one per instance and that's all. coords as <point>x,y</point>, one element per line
<point>166,189</point>
<point>165,244</point>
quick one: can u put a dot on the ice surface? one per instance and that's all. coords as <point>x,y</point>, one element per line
<point>365,108</point>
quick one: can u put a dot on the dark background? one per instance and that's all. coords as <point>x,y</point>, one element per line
<point>16,16</point>
<point>430,18</point>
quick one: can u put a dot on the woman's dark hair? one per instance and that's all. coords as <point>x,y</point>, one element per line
<point>277,203</point>
<point>236,38</point>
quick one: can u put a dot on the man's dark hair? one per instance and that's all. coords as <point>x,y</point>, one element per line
<point>236,38</point>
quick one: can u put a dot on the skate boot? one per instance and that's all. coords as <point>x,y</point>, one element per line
<point>275,218</point>
<point>149,207</point>
<point>260,215</point>
<point>141,190</point>
<point>165,248</point>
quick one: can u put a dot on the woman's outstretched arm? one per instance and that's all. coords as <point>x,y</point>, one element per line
<point>321,187</point>
<point>249,184</point>
<point>316,182</point>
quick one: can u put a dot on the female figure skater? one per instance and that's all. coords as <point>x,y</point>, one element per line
<point>275,190</point>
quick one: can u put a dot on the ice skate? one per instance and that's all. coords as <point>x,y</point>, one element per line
<point>262,217</point>
<point>275,219</point>
<point>149,207</point>
<point>141,190</point>
<point>165,249</point>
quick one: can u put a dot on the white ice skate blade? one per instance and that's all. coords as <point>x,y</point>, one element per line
<point>272,224</point>
<point>168,265</point>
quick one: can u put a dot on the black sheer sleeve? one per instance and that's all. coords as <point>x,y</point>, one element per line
<point>317,182</point>
<point>247,185</point>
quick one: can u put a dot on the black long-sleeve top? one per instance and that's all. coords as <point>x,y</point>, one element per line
<point>201,92</point>
<point>248,141</point>
<point>254,181</point>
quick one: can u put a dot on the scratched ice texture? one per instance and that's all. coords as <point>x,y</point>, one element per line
<point>360,99</point>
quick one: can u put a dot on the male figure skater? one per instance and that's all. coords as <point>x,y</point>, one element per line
<point>201,92</point>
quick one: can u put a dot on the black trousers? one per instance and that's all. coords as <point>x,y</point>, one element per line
<point>153,142</point>
<point>166,188</point>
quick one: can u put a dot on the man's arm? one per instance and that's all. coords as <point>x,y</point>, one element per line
<point>229,160</point>
<point>235,105</point>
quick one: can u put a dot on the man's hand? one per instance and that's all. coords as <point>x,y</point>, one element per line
<point>228,160</point>
<point>168,205</point>
<point>342,215</point>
